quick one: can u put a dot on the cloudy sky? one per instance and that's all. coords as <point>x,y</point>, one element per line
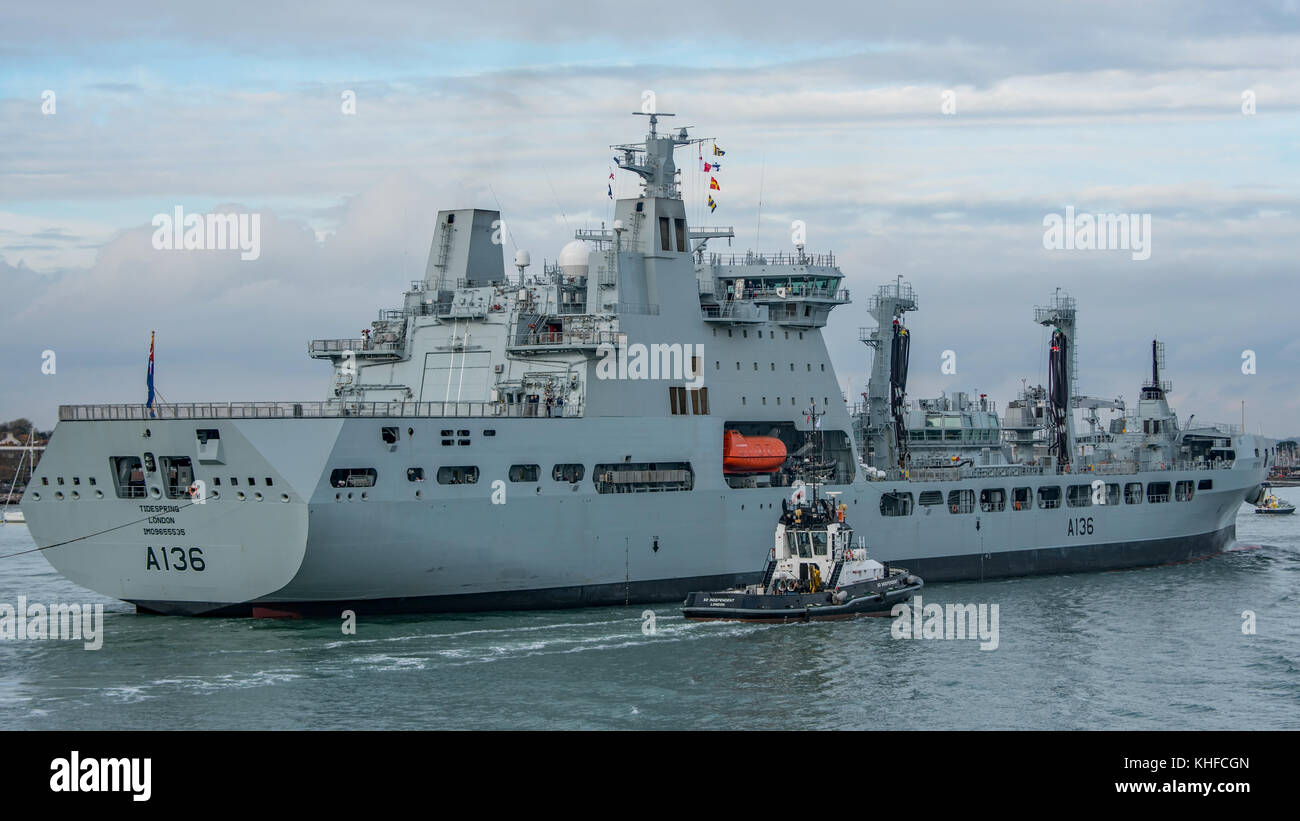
<point>831,112</point>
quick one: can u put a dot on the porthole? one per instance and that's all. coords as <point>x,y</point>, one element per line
<point>76,495</point>
<point>338,497</point>
<point>257,496</point>
<point>155,492</point>
<point>58,495</point>
<point>99,494</point>
<point>365,495</point>
<point>36,497</point>
<point>284,497</point>
<point>419,494</point>
<point>349,497</point>
<point>240,496</point>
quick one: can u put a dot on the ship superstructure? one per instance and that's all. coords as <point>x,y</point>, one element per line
<point>619,426</point>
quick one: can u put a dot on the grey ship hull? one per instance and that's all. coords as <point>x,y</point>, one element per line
<point>551,544</point>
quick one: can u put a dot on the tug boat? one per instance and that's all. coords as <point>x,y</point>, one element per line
<point>815,572</point>
<point>1271,504</point>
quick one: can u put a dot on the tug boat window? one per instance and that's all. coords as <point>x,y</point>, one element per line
<point>819,542</point>
<point>1133,493</point>
<point>570,473</point>
<point>350,477</point>
<point>128,476</point>
<point>457,475</point>
<point>524,473</point>
<point>179,475</point>
<point>896,504</point>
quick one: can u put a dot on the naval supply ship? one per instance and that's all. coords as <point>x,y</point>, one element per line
<point>619,427</point>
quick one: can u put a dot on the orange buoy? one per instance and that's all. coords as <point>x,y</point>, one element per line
<point>751,454</point>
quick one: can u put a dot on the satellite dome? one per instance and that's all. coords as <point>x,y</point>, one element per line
<point>573,259</point>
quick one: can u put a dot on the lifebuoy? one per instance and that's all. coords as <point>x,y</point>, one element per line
<point>954,508</point>
<point>193,490</point>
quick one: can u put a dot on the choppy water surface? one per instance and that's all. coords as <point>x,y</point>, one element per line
<point>1157,648</point>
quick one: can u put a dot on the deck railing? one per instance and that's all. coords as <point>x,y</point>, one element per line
<point>314,410</point>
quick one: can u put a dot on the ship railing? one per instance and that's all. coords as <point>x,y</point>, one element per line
<point>359,346</point>
<point>317,410</point>
<point>582,338</point>
<point>776,258</point>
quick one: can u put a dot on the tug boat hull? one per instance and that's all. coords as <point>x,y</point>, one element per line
<point>865,599</point>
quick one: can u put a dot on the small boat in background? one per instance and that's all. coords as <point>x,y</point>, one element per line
<point>13,516</point>
<point>1271,504</point>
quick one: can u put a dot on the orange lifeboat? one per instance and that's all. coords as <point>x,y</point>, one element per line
<point>751,454</point>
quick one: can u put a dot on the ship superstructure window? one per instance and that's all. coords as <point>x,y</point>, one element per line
<point>1049,497</point>
<point>644,477</point>
<point>930,497</point>
<point>178,475</point>
<point>524,473</point>
<point>415,474</point>
<point>1020,498</point>
<point>1204,484</point>
<point>128,477</point>
<point>699,401</point>
<point>663,234</point>
<point>895,504</point>
<point>571,473</point>
<point>1158,492</point>
<point>350,477</point>
<point>677,400</point>
<point>1078,496</point>
<point>961,501</point>
<point>680,225</point>
<point>390,435</point>
<point>457,475</point>
<point>1133,493</point>
<point>1183,491</point>
<point>1112,494</point>
<point>993,500</point>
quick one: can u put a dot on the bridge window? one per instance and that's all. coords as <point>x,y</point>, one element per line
<point>1158,492</point>
<point>348,477</point>
<point>457,475</point>
<point>1133,493</point>
<point>128,476</point>
<point>1183,491</point>
<point>896,504</point>
<point>571,473</point>
<point>961,501</point>
<point>1049,497</point>
<point>993,500</point>
<point>524,473</point>
<point>819,542</point>
<point>1020,498</point>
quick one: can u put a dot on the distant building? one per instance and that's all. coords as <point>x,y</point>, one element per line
<point>9,439</point>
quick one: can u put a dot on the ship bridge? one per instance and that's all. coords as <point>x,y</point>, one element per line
<point>797,290</point>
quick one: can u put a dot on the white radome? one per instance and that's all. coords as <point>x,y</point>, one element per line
<point>573,259</point>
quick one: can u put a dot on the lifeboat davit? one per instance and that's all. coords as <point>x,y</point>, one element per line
<point>751,454</point>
